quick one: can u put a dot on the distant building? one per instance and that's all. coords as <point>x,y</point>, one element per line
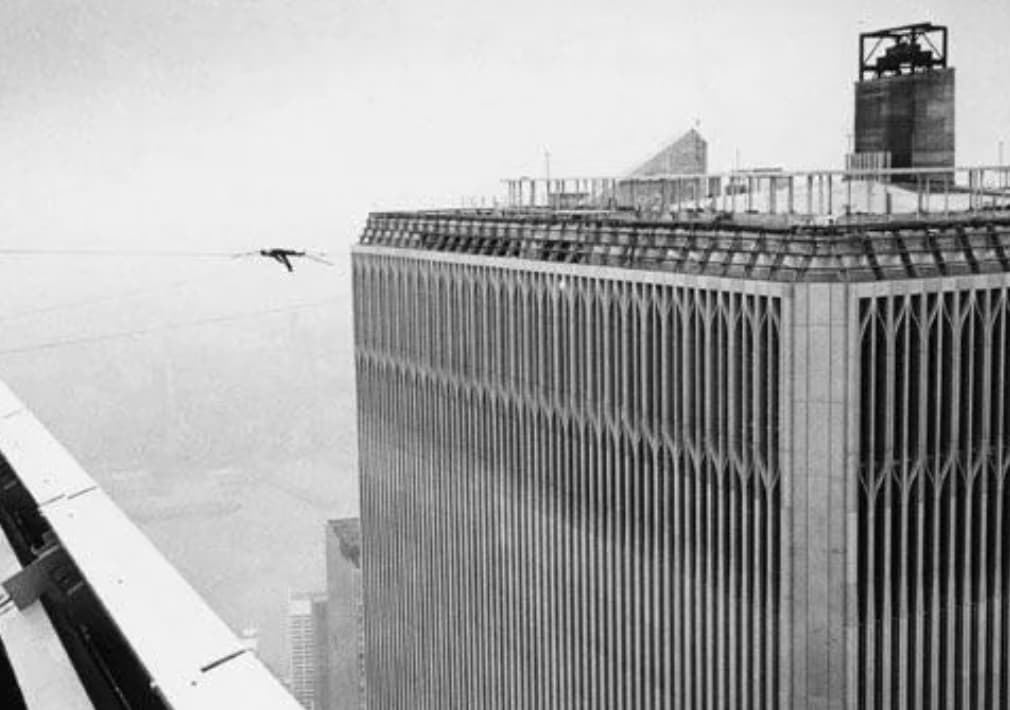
<point>345,629</point>
<point>307,646</point>
<point>250,639</point>
<point>687,155</point>
<point>325,630</point>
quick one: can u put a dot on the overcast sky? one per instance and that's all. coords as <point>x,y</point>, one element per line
<point>238,122</point>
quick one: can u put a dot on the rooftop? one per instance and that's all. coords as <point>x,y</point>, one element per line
<point>831,225</point>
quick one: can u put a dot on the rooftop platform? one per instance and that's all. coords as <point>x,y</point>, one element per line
<point>834,226</point>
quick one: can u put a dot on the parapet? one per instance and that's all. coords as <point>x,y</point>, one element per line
<point>835,226</point>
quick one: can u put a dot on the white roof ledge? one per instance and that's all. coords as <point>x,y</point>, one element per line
<point>193,659</point>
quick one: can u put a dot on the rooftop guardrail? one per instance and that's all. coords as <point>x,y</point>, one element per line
<point>771,197</point>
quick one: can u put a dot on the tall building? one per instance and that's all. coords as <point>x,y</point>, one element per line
<point>905,97</point>
<point>622,463</point>
<point>307,648</point>
<point>345,621</point>
<point>755,457</point>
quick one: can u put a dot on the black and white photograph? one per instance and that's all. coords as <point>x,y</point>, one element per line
<point>463,355</point>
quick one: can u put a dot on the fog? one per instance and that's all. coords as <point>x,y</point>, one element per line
<point>212,395</point>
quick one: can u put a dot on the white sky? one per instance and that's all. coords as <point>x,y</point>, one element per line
<point>239,122</point>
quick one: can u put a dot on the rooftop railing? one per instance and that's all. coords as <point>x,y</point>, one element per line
<point>780,197</point>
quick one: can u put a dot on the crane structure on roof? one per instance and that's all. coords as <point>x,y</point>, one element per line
<point>907,49</point>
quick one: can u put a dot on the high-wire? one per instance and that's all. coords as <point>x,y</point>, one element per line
<point>156,253</point>
<point>165,253</point>
<point>283,256</point>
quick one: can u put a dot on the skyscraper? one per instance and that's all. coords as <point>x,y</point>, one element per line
<point>744,444</point>
<point>344,620</point>
<point>307,648</point>
<point>611,462</point>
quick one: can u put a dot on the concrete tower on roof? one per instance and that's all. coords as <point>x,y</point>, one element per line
<point>905,98</point>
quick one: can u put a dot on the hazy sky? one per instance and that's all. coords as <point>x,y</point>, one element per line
<point>237,122</point>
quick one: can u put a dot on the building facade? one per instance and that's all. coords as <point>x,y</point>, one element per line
<point>309,663</point>
<point>718,469</point>
<point>345,615</point>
